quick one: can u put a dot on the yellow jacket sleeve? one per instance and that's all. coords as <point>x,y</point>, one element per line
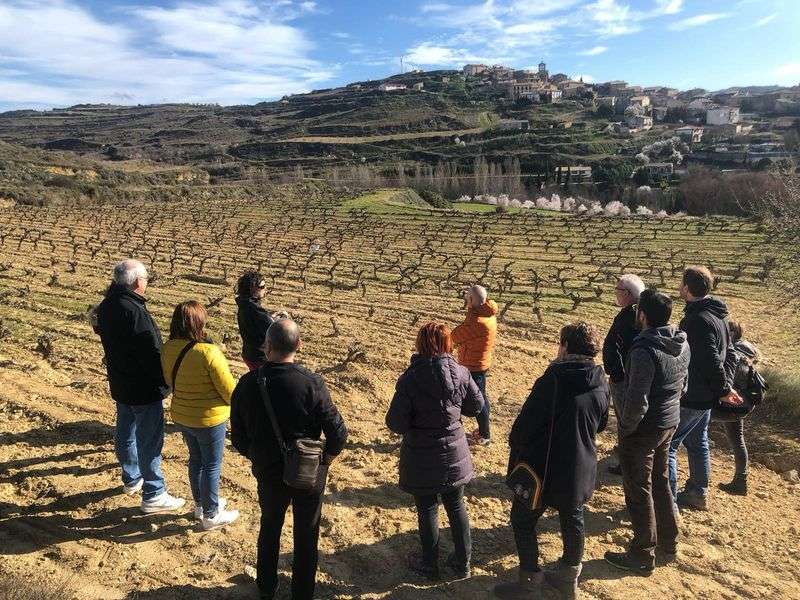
<point>220,374</point>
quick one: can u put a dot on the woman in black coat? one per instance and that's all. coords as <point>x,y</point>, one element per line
<point>252,318</point>
<point>430,398</point>
<point>570,400</point>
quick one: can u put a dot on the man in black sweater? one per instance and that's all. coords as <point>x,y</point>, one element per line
<point>618,342</point>
<point>303,409</point>
<point>710,376</point>
<point>655,379</point>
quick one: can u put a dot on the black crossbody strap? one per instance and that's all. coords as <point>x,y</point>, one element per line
<point>265,397</point>
<point>179,360</point>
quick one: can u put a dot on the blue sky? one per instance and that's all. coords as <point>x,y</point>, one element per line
<point>61,52</point>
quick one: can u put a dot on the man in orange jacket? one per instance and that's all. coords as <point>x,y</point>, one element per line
<point>475,341</point>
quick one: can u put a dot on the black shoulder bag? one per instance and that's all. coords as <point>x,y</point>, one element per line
<point>301,459</point>
<point>178,362</point>
<point>523,479</point>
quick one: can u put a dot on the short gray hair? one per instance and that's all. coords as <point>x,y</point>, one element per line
<point>632,283</point>
<point>127,272</point>
<point>479,294</point>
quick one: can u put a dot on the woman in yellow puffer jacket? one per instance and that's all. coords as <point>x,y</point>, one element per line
<point>202,386</point>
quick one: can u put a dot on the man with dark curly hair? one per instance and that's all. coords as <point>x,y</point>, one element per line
<point>554,435</point>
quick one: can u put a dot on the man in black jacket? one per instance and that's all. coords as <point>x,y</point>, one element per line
<point>303,409</point>
<point>655,379</point>
<point>132,346</point>
<point>618,342</point>
<point>710,376</point>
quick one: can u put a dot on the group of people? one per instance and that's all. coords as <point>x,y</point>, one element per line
<point>664,382</point>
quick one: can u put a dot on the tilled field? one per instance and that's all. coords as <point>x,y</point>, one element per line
<point>357,279</point>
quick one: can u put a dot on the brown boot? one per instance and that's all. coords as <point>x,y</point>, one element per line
<point>564,578</point>
<point>527,587</point>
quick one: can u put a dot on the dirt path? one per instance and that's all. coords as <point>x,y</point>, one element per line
<point>61,512</point>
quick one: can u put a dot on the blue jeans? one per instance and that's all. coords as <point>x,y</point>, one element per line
<point>138,440</point>
<point>205,445</point>
<point>692,432</point>
<point>483,417</point>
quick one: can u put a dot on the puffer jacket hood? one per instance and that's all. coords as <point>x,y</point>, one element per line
<point>715,306</point>
<point>668,339</point>
<point>487,309</point>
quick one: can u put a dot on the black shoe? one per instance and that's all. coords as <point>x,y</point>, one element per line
<point>666,557</point>
<point>615,469</point>
<point>460,571</point>
<point>622,560</point>
<point>420,567</point>
<point>737,487</point>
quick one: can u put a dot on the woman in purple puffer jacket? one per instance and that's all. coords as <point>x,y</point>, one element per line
<point>430,398</point>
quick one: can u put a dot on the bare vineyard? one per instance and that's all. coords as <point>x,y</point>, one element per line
<point>359,281</point>
<point>317,254</point>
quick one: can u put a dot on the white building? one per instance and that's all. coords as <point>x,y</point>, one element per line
<point>391,87</point>
<point>689,134</point>
<point>722,115</point>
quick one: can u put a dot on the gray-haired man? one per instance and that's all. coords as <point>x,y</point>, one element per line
<point>619,340</point>
<point>132,345</point>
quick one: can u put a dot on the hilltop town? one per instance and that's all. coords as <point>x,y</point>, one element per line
<point>530,130</point>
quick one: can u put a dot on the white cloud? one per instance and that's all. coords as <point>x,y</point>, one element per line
<point>594,51</point>
<point>430,54</point>
<point>612,19</point>
<point>227,51</point>
<point>697,21</point>
<point>765,20</point>
<point>584,77</point>
<point>788,74</point>
<point>669,7</point>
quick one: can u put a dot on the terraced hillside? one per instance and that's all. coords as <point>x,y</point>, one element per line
<point>359,274</point>
<point>324,129</point>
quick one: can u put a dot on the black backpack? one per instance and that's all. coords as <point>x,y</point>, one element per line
<point>750,385</point>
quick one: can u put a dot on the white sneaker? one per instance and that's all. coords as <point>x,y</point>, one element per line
<point>224,517</point>
<point>133,489</point>
<point>162,503</point>
<point>198,509</point>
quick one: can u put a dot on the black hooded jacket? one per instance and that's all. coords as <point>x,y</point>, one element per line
<point>713,360</point>
<point>655,380</point>
<point>581,397</point>
<point>253,322</point>
<point>132,346</point>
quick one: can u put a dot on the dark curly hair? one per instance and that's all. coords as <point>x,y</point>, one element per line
<point>248,282</point>
<point>581,338</point>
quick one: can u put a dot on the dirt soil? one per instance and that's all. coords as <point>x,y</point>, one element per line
<point>62,513</point>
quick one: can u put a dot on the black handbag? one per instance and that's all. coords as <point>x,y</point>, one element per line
<point>526,484</point>
<point>301,458</point>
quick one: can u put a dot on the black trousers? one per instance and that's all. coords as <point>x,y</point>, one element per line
<point>428,519</point>
<point>274,496</point>
<point>735,432</point>
<point>523,522</point>
<point>484,427</point>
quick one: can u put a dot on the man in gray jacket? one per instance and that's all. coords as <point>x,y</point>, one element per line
<point>655,379</point>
